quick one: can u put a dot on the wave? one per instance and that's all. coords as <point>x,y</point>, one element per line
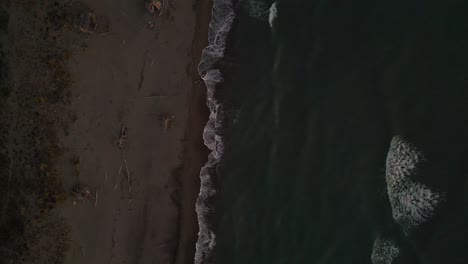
<point>413,203</point>
<point>273,13</point>
<point>221,23</point>
<point>385,251</point>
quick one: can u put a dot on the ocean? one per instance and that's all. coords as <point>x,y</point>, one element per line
<point>305,98</point>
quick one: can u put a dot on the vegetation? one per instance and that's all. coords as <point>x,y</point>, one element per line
<point>4,86</point>
<point>33,110</point>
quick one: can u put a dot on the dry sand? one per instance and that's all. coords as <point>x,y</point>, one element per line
<point>128,77</point>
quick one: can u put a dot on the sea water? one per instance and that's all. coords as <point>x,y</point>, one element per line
<point>305,98</point>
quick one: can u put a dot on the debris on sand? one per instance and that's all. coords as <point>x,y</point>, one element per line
<point>121,141</point>
<point>96,197</point>
<point>81,193</point>
<point>153,6</point>
<point>87,22</point>
<point>150,25</point>
<point>167,120</point>
<point>127,173</point>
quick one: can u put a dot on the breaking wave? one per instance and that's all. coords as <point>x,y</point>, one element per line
<point>385,251</point>
<point>412,203</point>
<point>273,13</point>
<point>221,22</point>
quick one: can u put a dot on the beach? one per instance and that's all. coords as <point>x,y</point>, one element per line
<point>128,126</point>
<point>128,78</point>
<point>224,131</point>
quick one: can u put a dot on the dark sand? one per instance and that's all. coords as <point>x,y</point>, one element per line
<point>128,77</point>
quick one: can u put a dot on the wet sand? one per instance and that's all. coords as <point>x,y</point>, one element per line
<point>128,77</point>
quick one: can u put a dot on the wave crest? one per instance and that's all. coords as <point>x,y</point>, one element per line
<point>273,13</point>
<point>221,23</point>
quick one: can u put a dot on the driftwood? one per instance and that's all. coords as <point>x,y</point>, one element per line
<point>96,197</point>
<point>122,139</point>
<point>118,178</point>
<point>156,6</point>
<point>81,193</point>
<point>127,173</point>
<point>167,120</point>
<point>163,7</point>
<point>153,6</point>
<point>121,142</point>
<point>120,170</point>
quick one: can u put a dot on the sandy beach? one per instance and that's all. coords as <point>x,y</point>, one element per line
<point>334,133</point>
<point>143,67</point>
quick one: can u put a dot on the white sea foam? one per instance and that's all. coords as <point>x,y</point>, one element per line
<point>385,251</point>
<point>412,202</point>
<point>273,13</point>
<point>220,26</point>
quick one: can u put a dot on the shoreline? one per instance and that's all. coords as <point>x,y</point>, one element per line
<point>150,217</point>
<point>195,150</point>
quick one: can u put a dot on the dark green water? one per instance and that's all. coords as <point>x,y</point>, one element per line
<point>320,97</point>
